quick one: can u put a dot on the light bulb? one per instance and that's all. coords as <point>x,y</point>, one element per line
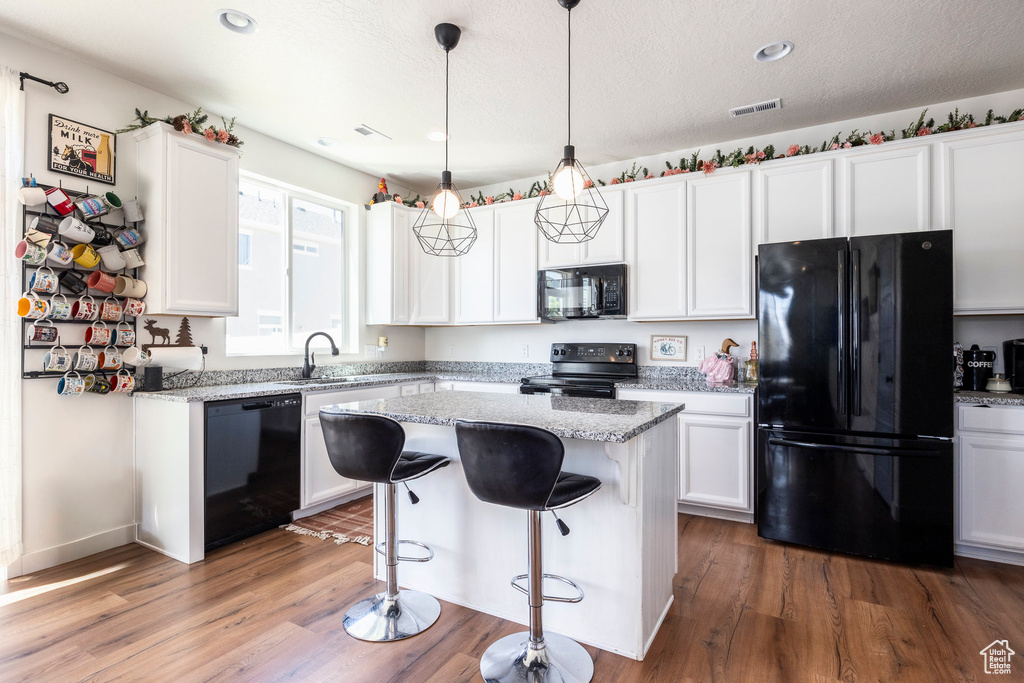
<point>568,183</point>
<point>446,204</point>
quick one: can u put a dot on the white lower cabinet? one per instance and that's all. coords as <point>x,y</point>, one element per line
<point>487,387</point>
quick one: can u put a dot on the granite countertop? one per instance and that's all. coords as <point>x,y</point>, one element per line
<point>687,384</point>
<point>590,419</point>
<point>989,397</point>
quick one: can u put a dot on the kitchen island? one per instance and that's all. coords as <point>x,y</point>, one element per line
<point>622,549</point>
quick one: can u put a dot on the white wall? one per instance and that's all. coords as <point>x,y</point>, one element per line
<point>77,477</point>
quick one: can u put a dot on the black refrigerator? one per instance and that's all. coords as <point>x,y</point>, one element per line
<point>855,397</point>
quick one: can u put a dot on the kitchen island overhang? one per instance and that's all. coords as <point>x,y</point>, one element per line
<point>623,546</point>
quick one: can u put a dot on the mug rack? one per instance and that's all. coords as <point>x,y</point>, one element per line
<point>27,269</point>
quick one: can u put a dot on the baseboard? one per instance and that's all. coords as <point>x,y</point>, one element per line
<point>333,502</point>
<point>990,554</point>
<point>83,547</point>
<point>717,513</point>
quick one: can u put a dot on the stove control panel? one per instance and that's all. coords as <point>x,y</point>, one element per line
<point>593,353</point>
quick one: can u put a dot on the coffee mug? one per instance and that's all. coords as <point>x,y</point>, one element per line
<point>110,359</point>
<point>101,281</point>
<point>122,382</point>
<point>129,287</point>
<point>44,280</point>
<point>85,308</point>
<point>75,230</point>
<point>85,359</point>
<point>85,255</point>
<point>134,307</point>
<point>98,385</point>
<point>102,236</point>
<point>60,307</point>
<point>98,333</point>
<point>111,310</point>
<point>71,386</point>
<point>132,258</point>
<point>92,207</point>
<point>57,359</point>
<point>130,237</point>
<point>90,381</point>
<point>123,335</point>
<point>132,212</point>
<point>73,281</point>
<point>31,306</point>
<point>111,257</point>
<point>46,224</point>
<point>32,254</point>
<point>112,200</point>
<point>42,331</point>
<point>60,201</point>
<point>136,357</point>
<point>32,196</point>
<point>59,254</point>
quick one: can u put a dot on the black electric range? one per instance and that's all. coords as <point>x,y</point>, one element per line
<point>585,370</point>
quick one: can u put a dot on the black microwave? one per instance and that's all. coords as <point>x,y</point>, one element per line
<point>584,292</point>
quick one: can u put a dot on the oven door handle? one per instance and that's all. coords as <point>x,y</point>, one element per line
<point>867,450</point>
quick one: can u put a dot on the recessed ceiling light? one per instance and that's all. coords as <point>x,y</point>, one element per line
<point>326,142</point>
<point>236,21</point>
<point>773,51</point>
<point>437,136</point>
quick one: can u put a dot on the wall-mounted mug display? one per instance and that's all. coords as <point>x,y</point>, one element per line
<point>111,310</point>
<point>73,281</point>
<point>129,287</point>
<point>86,255</point>
<point>32,254</point>
<point>98,333</point>
<point>85,359</point>
<point>45,224</point>
<point>31,306</point>
<point>103,282</point>
<point>111,257</point>
<point>134,307</point>
<point>59,200</point>
<point>136,357</point>
<point>75,230</point>
<point>85,308</point>
<point>44,280</point>
<point>41,332</point>
<point>57,359</point>
<point>32,196</point>
<point>71,386</point>
<point>123,335</point>
<point>92,207</point>
<point>98,385</point>
<point>132,211</point>
<point>60,307</point>
<point>110,359</point>
<point>132,258</point>
<point>130,237</point>
<point>59,254</point>
<point>122,382</point>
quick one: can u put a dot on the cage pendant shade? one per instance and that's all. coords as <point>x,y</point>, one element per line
<point>439,235</point>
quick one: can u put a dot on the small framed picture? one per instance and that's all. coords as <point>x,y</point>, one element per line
<point>82,150</point>
<point>668,348</point>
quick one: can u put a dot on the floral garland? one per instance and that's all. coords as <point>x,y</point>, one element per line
<point>954,121</point>
<point>188,124</point>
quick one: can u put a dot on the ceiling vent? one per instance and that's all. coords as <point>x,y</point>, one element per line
<point>364,129</point>
<point>767,105</point>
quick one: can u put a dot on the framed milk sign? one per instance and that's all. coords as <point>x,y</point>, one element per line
<point>81,150</point>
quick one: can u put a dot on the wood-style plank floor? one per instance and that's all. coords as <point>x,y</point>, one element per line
<point>271,609</point>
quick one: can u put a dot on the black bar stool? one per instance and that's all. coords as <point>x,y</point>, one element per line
<point>369,448</point>
<point>521,467</point>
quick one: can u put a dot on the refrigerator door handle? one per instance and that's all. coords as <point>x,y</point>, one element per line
<point>841,308</point>
<point>855,328</point>
<point>867,450</point>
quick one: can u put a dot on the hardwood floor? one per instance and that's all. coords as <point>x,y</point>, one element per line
<point>271,609</point>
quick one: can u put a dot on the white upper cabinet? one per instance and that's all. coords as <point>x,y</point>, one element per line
<point>428,286</point>
<point>608,246</point>
<point>984,203</point>
<point>473,275</point>
<point>515,263</point>
<point>719,263</point>
<point>885,191</point>
<point>657,251</point>
<point>188,188</point>
<point>388,240</point>
<point>793,200</point>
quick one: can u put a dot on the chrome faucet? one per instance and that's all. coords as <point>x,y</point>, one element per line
<point>308,358</point>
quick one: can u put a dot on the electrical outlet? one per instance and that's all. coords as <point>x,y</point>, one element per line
<point>451,350</point>
<point>370,351</point>
<point>700,354</point>
<point>526,350</point>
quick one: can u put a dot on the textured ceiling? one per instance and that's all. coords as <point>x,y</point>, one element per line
<point>649,76</point>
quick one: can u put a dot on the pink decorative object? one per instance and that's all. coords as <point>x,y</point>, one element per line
<point>876,139</point>
<point>649,176</point>
<point>543,193</point>
<point>588,183</point>
<point>972,124</point>
<point>793,150</point>
<point>397,198</point>
<point>709,167</point>
<point>222,135</point>
<point>517,196</point>
<point>835,145</point>
<point>614,181</point>
<point>629,180</point>
<point>717,369</point>
<point>488,200</point>
<point>186,128</point>
<point>210,134</point>
<point>420,205</point>
<point>924,130</point>
<point>847,145</point>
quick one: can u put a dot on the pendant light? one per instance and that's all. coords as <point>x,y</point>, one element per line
<point>574,212</point>
<point>444,228</point>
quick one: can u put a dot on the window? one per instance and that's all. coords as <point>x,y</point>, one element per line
<point>291,276</point>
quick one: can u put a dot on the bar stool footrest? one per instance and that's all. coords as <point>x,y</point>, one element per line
<point>551,598</point>
<point>430,553</point>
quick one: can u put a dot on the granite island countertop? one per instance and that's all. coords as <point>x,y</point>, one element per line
<point>589,419</point>
<point>989,398</point>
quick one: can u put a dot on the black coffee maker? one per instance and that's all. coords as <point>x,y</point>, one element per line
<point>1013,363</point>
<point>978,368</point>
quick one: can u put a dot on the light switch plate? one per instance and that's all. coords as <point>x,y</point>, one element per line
<point>700,354</point>
<point>370,351</point>
<point>451,350</point>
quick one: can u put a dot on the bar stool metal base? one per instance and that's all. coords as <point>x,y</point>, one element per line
<point>559,660</point>
<point>381,619</point>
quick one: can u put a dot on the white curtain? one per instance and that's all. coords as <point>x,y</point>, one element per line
<point>12,149</point>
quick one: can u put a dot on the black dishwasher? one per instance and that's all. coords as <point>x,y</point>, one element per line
<point>252,466</point>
